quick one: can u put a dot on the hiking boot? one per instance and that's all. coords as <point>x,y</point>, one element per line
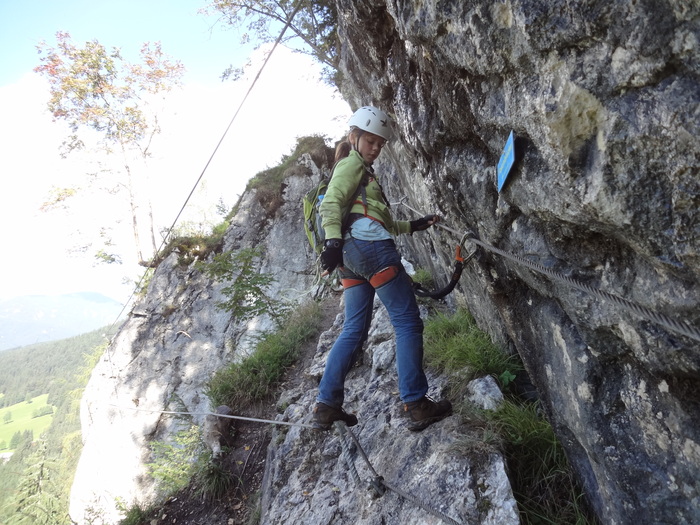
<point>324,416</point>
<point>425,412</point>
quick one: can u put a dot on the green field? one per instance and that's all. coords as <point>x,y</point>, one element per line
<point>22,420</point>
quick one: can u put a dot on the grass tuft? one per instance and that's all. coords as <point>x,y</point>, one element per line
<point>213,480</point>
<point>455,345</point>
<point>541,477</point>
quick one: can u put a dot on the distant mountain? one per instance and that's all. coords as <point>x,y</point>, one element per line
<point>38,318</point>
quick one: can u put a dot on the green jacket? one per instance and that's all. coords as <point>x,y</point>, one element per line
<point>346,178</point>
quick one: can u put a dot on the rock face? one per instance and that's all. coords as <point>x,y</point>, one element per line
<point>603,97</point>
<point>176,338</point>
<point>308,481</point>
<point>169,348</point>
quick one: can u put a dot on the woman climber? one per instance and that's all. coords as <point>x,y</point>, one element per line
<point>360,244</point>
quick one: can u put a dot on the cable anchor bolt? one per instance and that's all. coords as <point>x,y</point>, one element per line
<point>376,487</point>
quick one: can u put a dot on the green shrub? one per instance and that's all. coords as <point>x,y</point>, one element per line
<point>174,463</point>
<point>423,277</point>
<point>134,515</point>
<point>539,472</point>
<point>212,480</point>
<point>255,377</point>
<point>187,460</point>
<point>269,183</point>
<point>247,292</point>
<point>192,242</point>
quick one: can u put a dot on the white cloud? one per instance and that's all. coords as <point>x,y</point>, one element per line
<point>287,102</point>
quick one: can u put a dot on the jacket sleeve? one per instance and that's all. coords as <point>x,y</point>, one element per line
<point>345,180</point>
<point>400,227</point>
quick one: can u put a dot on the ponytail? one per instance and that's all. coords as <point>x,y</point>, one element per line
<point>342,150</point>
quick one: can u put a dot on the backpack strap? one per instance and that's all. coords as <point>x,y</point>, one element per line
<point>359,197</point>
<point>362,192</point>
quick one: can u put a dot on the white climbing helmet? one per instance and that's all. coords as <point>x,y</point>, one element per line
<point>373,120</point>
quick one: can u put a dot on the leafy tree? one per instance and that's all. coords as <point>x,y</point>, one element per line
<point>43,411</point>
<point>314,22</point>
<point>47,367</point>
<point>96,90</point>
<point>7,418</point>
<point>62,368</point>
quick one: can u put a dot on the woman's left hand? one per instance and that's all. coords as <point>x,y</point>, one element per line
<point>424,223</point>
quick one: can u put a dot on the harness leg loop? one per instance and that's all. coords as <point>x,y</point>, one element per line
<point>384,276</point>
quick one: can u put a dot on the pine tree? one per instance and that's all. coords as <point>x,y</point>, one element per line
<point>36,501</point>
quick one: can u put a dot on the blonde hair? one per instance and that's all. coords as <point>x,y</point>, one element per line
<point>344,148</point>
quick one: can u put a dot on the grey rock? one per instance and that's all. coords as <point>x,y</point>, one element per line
<point>216,430</point>
<point>308,481</point>
<point>604,98</point>
<point>484,393</point>
<point>162,358</point>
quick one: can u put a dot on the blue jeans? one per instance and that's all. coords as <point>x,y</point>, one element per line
<point>362,260</point>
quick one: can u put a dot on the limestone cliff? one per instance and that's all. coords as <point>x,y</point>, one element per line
<point>165,353</point>
<point>603,97</point>
<point>176,338</point>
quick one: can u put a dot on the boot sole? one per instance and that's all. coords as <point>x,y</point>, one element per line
<point>417,426</point>
<point>327,426</point>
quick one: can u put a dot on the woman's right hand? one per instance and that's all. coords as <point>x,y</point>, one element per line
<point>424,223</point>
<point>332,254</point>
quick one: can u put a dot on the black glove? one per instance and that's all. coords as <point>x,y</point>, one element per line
<point>332,254</point>
<point>424,223</point>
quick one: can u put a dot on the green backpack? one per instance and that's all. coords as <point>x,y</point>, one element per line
<point>312,214</point>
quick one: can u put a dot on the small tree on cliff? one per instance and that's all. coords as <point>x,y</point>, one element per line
<point>36,501</point>
<point>96,89</point>
<point>314,22</point>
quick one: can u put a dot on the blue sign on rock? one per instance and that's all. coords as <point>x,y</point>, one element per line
<point>506,161</point>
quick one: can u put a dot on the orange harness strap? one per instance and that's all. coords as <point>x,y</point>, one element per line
<point>384,276</point>
<point>365,214</point>
<point>378,279</point>
<point>349,283</point>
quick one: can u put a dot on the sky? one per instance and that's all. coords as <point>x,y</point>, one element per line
<point>49,251</point>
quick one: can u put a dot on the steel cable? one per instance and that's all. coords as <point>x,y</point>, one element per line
<point>674,325</point>
<point>641,311</point>
<point>345,454</point>
<point>242,418</point>
<point>343,431</point>
<point>379,480</point>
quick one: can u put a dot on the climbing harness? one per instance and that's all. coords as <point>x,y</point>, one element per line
<point>383,276</point>
<point>674,325</point>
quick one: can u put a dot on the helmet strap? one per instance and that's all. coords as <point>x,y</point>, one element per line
<point>359,132</point>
